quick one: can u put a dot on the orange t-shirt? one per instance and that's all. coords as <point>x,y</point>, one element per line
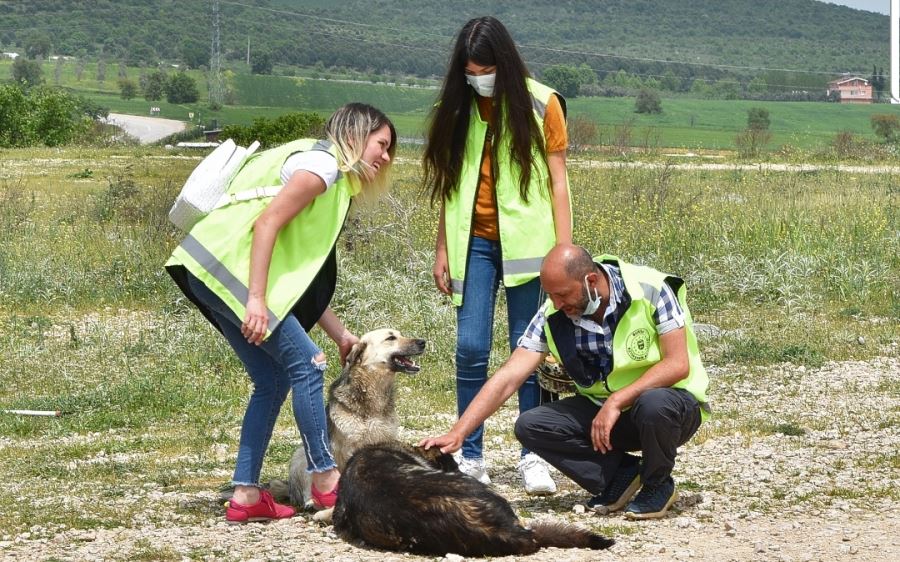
<point>484,222</point>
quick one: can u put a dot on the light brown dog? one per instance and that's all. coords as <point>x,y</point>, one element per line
<point>360,402</point>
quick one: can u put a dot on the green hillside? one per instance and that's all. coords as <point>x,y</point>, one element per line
<point>647,37</point>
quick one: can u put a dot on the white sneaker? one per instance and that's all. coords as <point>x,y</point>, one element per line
<point>474,468</point>
<point>536,476</point>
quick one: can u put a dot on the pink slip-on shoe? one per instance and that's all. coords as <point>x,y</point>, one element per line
<point>324,500</point>
<point>263,510</point>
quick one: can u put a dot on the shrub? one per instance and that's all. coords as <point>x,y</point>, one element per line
<point>582,133</point>
<point>563,78</point>
<point>44,115</point>
<point>127,88</point>
<point>27,72</point>
<point>750,142</point>
<point>886,126</point>
<point>844,144</point>
<point>181,88</point>
<point>154,85</point>
<point>758,118</point>
<point>272,132</point>
<point>648,102</point>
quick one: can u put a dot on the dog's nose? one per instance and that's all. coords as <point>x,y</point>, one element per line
<point>420,343</point>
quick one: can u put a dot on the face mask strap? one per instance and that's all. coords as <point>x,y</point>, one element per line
<point>588,290</point>
<point>593,302</point>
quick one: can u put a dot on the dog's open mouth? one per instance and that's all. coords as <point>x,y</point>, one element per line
<point>404,364</point>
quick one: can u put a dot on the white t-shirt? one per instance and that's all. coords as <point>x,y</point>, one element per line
<point>319,162</point>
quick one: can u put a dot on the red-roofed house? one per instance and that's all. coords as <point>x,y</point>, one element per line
<point>852,89</point>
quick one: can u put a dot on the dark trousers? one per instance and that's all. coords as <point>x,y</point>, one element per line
<point>658,422</point>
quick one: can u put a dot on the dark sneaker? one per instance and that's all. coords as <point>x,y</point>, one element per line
<point>653,501</point>
<point>622,488</point>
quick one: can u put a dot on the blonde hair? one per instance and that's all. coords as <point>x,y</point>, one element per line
<point>349,128</point>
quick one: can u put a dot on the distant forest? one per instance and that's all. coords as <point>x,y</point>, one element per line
<point>783,43</point>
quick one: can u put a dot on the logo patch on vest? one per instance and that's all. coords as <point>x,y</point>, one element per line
<point>638,344</point>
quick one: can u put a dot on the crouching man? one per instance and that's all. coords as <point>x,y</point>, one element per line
<point>624,335</point>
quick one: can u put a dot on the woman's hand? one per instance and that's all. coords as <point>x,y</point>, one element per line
<point>340,335</point>
<point>256,320</point>
<point>441,271</point>
<point>345,343</point>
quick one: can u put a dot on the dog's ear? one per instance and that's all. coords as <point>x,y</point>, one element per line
<point>441,461</point>
<point>355,354</point>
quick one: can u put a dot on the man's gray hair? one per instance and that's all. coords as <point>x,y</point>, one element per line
<point>579,263</point>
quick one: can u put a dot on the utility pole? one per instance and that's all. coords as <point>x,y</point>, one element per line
<point>216,85</point>
<point>248,50</point>
<point>895,51</point>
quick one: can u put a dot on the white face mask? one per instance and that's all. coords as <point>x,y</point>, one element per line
<point>483,85</point>
<point>593,303</point>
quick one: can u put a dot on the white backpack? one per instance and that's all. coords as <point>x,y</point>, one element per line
<point>205,188</point>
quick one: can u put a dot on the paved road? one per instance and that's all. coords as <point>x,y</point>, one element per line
<point>146,129</point>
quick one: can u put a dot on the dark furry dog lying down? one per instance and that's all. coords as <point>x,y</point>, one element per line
<point>405,498</point>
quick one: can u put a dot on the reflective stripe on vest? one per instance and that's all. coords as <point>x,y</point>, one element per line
<point>527,231</point>
<point>217,250</point>
<point>218,270</point>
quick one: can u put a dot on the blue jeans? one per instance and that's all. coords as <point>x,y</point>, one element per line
<point>474,331</point>
<point>285,361</point>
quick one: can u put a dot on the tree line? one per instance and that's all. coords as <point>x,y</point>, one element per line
<point>687,39</point>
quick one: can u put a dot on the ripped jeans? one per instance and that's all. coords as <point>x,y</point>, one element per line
<point>285,361</point>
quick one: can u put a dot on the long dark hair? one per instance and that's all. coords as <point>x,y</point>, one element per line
<point>486,42</point>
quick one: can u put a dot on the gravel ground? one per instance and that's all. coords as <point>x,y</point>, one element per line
<point>798,464</point>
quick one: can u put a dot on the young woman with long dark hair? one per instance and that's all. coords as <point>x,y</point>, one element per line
<point>495,160</point>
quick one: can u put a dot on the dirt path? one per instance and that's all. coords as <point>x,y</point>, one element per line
<point>750,167</point>
<point>797,465</point>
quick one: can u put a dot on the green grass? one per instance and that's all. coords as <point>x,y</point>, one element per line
<point>793,266</point>
<point>695,123</point>
<point>687,123</point>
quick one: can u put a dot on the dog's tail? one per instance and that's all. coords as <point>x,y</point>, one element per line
<point>299,480</point>
<point>565,535</point>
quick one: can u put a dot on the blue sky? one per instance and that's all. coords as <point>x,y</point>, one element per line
<point>880,6</point>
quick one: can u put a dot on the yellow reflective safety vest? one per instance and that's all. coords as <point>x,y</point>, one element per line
<point>303,266</point>
<point>635,340</point>
<point>526,230</point>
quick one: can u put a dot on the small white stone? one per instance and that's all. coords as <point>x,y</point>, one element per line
<point>578,509</point>
<point>451,557</point>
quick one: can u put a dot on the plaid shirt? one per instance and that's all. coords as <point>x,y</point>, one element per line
<point>593,341</point>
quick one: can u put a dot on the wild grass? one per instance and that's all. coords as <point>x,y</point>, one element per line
<point>792,266</point>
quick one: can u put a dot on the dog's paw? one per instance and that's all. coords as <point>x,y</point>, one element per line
<point>324,516</point>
